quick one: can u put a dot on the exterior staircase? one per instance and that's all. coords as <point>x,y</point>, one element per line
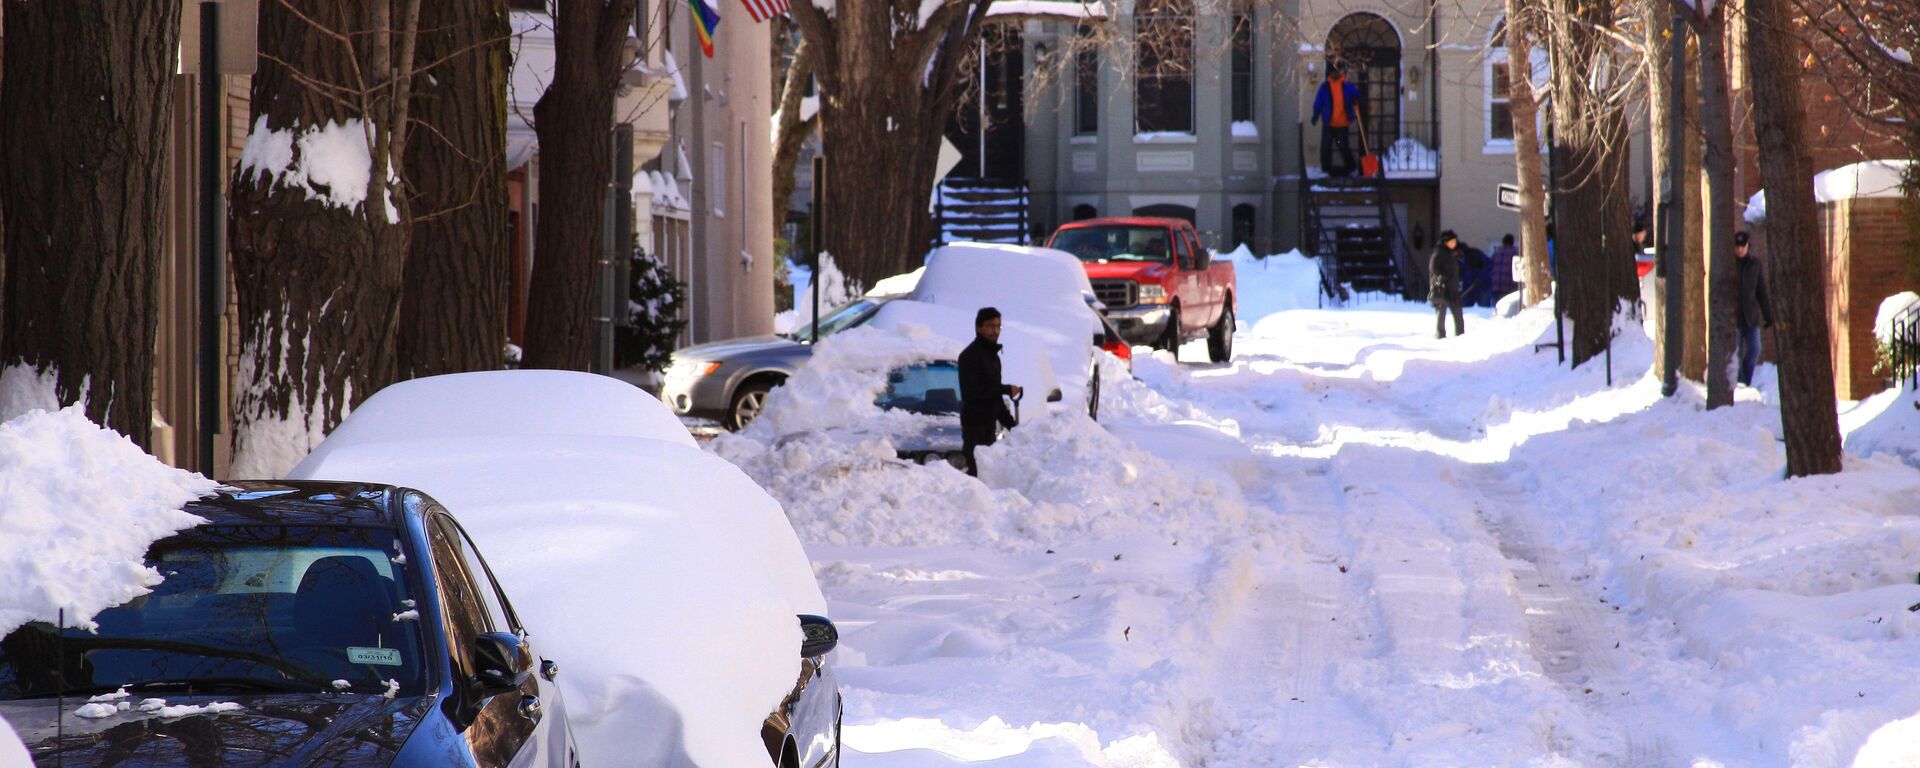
<point>1351,227</point>
<point>982,210</point>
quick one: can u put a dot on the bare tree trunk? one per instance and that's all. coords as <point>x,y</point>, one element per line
<point>1795,271</point>
<point>1693,253</point>
<point>1722,279</point>
<point>317,258</point>
<point>574,120</point>
<point>1593,211</point>
<point>84,121</point>
<point>454,314</point>
<point>792,128</point>
<point>1526,149</point>
<point>889,86</point>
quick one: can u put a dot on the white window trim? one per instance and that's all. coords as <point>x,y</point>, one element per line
<point>1495,55</point>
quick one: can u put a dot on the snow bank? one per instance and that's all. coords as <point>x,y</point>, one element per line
<point>1274,284</point>
<point>1890,309</point>
<point>24,390</point>
<point>1040,291</point>
<point>663,579</point>
<point>82,504</point>
<point>837,386</point>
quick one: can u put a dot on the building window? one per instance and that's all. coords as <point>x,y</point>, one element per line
<point>1167,210</point>
<point>1082,212</point>
<point>1242,67</point>
<point>1163,66</point>
<point>1086,84</point>
<point>1499,104</point>
<point>1243,225</point>
<point>528,5</point>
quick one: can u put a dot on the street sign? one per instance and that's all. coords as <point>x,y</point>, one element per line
<point>948,158</point>
<point>1507,196</point>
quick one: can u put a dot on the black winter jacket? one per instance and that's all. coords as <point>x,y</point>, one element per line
<point>1443,276</point>
<point>981,389</point>
<point>1755,308</point>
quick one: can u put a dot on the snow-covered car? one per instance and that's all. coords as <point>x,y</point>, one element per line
<point>672,585</point>
<point>930,390</point>
<point>1041,294</point>
<point>727,381</point>
<point>299,624</point>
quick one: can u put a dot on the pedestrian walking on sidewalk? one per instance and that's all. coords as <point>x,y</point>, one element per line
<point>1502,282</point>
<point>1443,285</point>
<point>1335,109</point>
<point>1756,311</point>
<point>982,409</point>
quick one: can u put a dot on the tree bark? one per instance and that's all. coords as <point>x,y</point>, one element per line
<point>1722,277</point>
<point>791,129</point>
<point>889,85</point>
<point>453,316</point>
<point>84,125</point>
<point>1526,150</point>
<point>1660,119</point>
<point>1593,212</point>
<point>574,121</point>
<point>1795,272</point>
<point>317,263</point>
<point>1693,253</point>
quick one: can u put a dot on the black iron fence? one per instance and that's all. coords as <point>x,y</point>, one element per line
<point>1901,355</point>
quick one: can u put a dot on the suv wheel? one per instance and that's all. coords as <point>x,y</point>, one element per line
<point>747,404</point>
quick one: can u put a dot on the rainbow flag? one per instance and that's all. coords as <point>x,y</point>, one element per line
<point>705,20</point>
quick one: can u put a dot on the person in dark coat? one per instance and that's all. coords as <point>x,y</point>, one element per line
<point>1336,107</point>
<point>981,408</point>
<point>1756,311</point>
<point>1443,290</point>
<point>1476,274</point>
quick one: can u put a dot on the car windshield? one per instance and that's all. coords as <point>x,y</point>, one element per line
<point>242,609</point>
<point>931,388</point>
<point>1115,243</point>
<point>838,320</point>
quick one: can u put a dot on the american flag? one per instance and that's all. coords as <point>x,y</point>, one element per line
<point>761,10</point>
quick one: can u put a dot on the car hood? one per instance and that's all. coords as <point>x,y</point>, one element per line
<point>278,729</point>
<point>1128,270</point>
<point>732,348</point>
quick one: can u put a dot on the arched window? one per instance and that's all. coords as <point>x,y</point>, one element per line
<point>1083,212</point>
<point>1163,66</point>
<point>1367,47</point>
<point>1167,211</point>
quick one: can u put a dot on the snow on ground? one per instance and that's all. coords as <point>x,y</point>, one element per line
<point>1360,545</point>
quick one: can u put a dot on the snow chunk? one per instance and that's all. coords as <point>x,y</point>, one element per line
<point>1871,179</point>
<point>1890,309</point>
<point>186,710</point>
<point>341,685</point>
<point>1064,10</point>
<point>23,390</point>
<point>407,615</point>
<point>82,504</point>
<point>115,696</point>
<point>96,711</point>
<point>393,689</point>
<point>332,164</point>
<point>1245,129</point>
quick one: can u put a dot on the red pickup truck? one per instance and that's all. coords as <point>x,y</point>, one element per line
<point>1160,286</point>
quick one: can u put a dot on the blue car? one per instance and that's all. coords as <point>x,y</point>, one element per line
<point>305,623</point>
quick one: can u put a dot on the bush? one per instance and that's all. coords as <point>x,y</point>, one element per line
<point>655,301</point>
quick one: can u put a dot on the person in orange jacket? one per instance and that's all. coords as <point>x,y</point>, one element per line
<point>1335,109</point>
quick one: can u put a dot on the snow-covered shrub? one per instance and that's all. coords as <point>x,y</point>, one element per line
<point>654,303</point>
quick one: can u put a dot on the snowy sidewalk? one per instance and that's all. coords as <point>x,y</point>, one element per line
<point>1358,545</point>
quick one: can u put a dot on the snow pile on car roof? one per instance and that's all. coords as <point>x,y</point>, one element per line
<point>661,578</point>
<point>81,504</point>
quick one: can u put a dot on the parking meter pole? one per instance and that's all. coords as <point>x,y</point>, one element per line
<point>211,277</point>
<point>817,235</point>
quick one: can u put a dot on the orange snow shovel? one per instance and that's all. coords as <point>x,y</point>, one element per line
<point>1369,162</point>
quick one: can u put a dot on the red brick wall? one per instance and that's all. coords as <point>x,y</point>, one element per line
<point>1865,243</point>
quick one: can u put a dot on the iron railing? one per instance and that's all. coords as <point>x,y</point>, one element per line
<point>1903,348</point>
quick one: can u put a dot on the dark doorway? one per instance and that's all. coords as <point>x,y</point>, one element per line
<point>1006,128</point>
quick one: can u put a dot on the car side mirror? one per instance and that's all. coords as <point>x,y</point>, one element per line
<point>819,636</point>
<point>502,662</point>
<point>1055,396</point>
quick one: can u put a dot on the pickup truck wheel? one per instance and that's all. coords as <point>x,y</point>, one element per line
<point>1220,337</point>
<point>1170,340</point>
